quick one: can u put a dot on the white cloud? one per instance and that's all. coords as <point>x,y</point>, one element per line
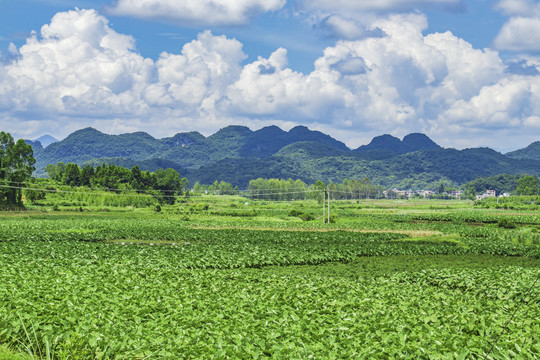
<point>13,49</point>
<point>200,12</point>
<point>358,6</point>
<point>268,88</point>
<point>519,7</point>
<point>202,72</point>
<point>80,72</point>
<point>519,34</point>
<point>336,26</point>
<point>78,65</point>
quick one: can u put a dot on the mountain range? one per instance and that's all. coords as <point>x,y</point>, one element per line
<point>237,154</point>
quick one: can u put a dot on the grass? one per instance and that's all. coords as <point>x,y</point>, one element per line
<point>9,354</point>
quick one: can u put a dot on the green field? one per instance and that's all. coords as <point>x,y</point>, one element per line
<point>226,277</point>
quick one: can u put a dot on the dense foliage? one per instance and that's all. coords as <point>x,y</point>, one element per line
<point>502,183</point>
<point>237,155</point>
<point>16,167</point>
<point>531,152</point>
<point>166,183</point>
<point>427,281</point>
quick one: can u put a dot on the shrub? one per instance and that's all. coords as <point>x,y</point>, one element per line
<point>306,217</point>
<point>506,224</point>
<point>294,213</point>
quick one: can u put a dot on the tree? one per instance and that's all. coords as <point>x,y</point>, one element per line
<point>34,195</point>
<point>441,188</point>
<point>170,184</point>
<point>319,189</point>
<point>87,173</point>
<point>72,176</point>
<point>527,185</point>
<point>469,193</point>
<point>16,167</point>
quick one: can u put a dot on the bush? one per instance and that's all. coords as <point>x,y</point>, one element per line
<point>295,213</point>
<point>306,217</point>
<point>506,224</point>
<point>301,215</point>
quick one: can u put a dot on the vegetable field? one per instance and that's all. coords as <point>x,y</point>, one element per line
<point>387,280</point>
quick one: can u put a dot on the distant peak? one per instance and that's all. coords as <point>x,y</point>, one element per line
<point>385,139</point>
<point>236,128</point>
<point>418,141</point>
<point>87,130</point>
<point>299,129</point>
<point>270,131</point>
<point>46,140</point>
<point>232,130</point>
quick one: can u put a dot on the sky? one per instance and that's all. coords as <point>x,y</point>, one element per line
<point>464,72</point>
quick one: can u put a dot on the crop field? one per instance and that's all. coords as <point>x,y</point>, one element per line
<point>226,277</point>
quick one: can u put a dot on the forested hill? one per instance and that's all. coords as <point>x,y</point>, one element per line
<point>531,152</point>
<point>188,150</point>
<point>237,154</point>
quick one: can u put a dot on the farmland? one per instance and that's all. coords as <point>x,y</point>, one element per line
<point>228,277</point>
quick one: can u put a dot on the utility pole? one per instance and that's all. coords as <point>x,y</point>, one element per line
<point>329,206</point>
<point>323,204</point>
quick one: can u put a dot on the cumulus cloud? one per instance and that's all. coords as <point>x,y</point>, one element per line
<point>80,72</point>
<point>353,19</point>
<point>78,64</point>
<point>199,76</point>
<point>522,67</point>
<point>336,26</point>
<point>402,80</point>
<point>519,7</point>
<point>200,12</point>
<point>357,6</point>
<point>519,34</point>
<point>284,92</point>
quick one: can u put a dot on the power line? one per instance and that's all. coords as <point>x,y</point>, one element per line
<point>93,188</point>
<point>267,191</point>
<point>81,192</point>
<point>134,195</point>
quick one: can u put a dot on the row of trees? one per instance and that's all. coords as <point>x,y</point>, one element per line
<point>165,184</point>
<point>16,167</point>
<point>218,188</point>
<point>280,189</point>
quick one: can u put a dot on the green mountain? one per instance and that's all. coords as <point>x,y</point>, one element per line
<point>410,143</point>
<point>186,150</point>
<point>237,154</point>
<point>420,169</point>
<point>531,152</point>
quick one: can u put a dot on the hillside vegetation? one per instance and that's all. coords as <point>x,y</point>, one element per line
<point>237,154</point>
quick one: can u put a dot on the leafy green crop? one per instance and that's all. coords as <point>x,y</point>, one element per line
<point>432,284</point>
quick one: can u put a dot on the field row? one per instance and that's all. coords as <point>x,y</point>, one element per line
<point>132,305</point>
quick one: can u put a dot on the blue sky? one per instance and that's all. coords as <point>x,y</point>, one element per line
<point>466,73</point>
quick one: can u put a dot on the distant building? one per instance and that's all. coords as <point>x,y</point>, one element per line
<point>487,194</point>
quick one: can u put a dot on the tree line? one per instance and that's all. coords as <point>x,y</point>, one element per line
<point>17,165</point>
<point>165,184</point>
<point>523,185</point>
